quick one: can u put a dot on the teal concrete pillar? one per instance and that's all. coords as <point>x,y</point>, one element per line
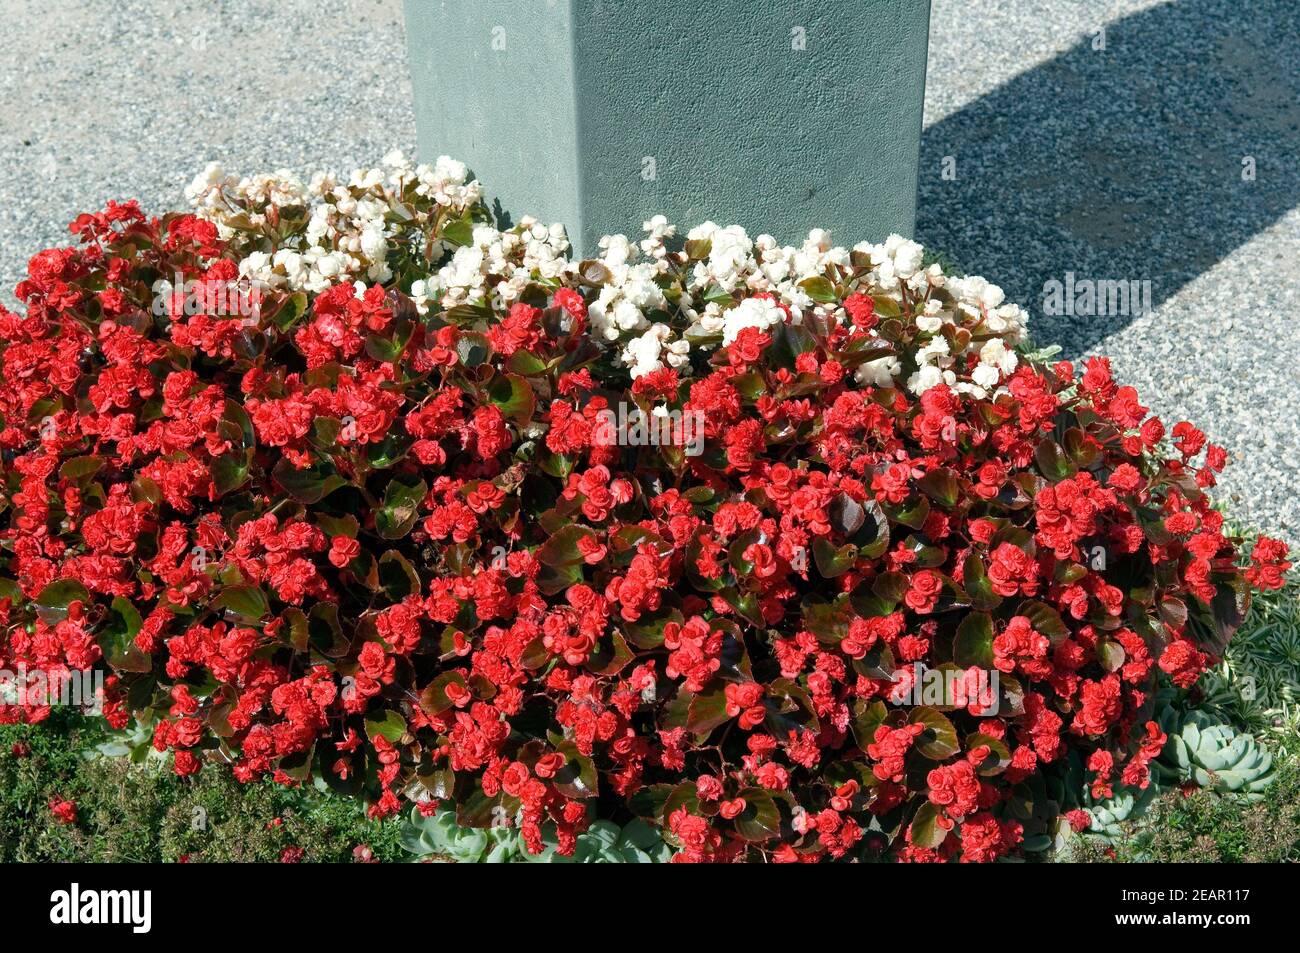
<point>778,115</point>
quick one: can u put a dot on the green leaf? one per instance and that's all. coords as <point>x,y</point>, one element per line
<point>513,397</point>
<point>939,740</point>
<point>398,576</point>
<point>387,723</point>
<point>647,632</point>
<point>847,514</point>
<point>81,469</point>
<point>246,603</point>
<point>308,485</point>
<point>867,720</point>
<point>578,778</point>
<point>941,486</point>
<point>1052,461</point>
<point>561,547</point>
<point>459,231</point>
<point>707,711</point>
<point>832,562</point>
<point>1082,449</point>
<point>973,645</point>
<point>820,289</point>
<point>392,449</point>
<point>117,639</point>
<point>1110,654</point>
<point>891,587</point>
<point>525,363</point>
<point>472,348</point>
<point>999,756</point>
<point>925,830</point>
<point>53,601</point>
<point>911,514</point>
<point>230,471</point>
<point>324,631</point>
<point>434,698</point>
<point>829,621</point>
<point>400,509</point>
<point>1045,619</point>
<point>760,820</point>
<point>975,580</point>
<point>715,294</point>
<point>886,307</point>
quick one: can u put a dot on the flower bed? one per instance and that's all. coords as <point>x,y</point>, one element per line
<point>340,481</point>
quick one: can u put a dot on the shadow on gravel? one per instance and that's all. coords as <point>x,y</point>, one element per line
<point>1124,163</point>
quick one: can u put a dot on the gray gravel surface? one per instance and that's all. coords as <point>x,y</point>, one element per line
<point>105,99</point>
<point>1127,163</point>
<point>1115,163</point>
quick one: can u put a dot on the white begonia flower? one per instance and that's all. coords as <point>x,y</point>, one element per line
<point>760,313</point>
<point>205,191</point>
<point>292,265</point>
<point>366,179</point>
<point>616,251</point>
<point>658,227</point>
<point>906,255</point>
<point>818,238</point>
<point>420,294</point>
<point>996,354</point>
<point>373,243</point>
<point>1007,320</point>
<point>642,353</point>
<point>936,347</point>
<point>258,266</point>
<point>701,231</point>
<point>928,376</point>
<point>986,376</point>
<point>878,373</point>
<point>677,353</point>
<point>708,322</point>
<point>329,266</point>
<point>729,257</point>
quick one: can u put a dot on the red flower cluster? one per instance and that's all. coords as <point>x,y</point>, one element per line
<point>336,539</point>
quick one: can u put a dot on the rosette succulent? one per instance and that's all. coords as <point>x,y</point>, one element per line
<point>439,837</point>
<point>1216,756</point>
<point>1113,817</point>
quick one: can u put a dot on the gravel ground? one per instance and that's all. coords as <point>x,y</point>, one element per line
<point>1127,163</point>
<point>1122,163</point>
<point>105,99</point>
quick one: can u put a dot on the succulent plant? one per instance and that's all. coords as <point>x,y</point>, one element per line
<point>607,843</point>
<point>439,837</point>
<point>1215,756</point>
<point>1114,817</point>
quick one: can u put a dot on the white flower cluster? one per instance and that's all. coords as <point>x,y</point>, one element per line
<point>761,266</point>
<point>496,266</point>
<point>349,223</point>
<point>974,302</point>
<point>351,229</point>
